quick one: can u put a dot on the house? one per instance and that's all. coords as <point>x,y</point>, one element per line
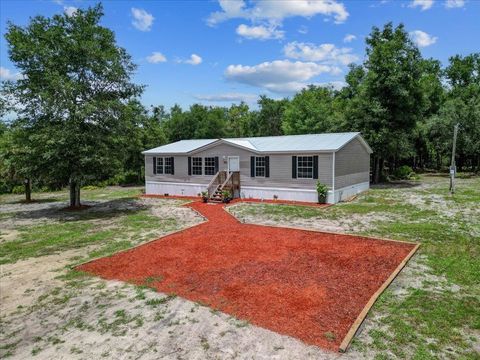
<point>285,167</point>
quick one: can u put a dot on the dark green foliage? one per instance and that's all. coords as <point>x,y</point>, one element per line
<point>404,172</point>
<point>81,132</point>
<point>72,96</point>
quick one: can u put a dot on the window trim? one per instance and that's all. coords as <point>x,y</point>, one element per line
<point>194,166</point>
<point>300,156</point>
<point>264,167</point>
<point>169,158</point>
<point>211,158</point>
<point>161,167</point>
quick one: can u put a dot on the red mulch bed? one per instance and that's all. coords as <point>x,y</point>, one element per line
<point>305,284</point>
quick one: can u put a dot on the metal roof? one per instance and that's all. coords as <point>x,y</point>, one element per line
<point>180,147</point>
<point>269,144</point>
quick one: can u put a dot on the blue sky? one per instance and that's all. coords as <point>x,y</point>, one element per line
<point>219,52</point>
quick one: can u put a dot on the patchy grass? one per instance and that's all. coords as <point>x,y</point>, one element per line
<point>431,321</point>
<point>116,234</point>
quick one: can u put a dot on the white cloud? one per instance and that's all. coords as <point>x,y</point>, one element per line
<point>303,29</point>
<point>259,32</point>
<point>7,75</point>
<point>349,38</point>
<point>327,53</point>
<point>227,97</point>
<point>276,11</point>
<point>450,4</point>
<point>142,20</point>
<point>282,76</point>
<point>193,60</point>
<point>70,10</point>
<point>422,39</point>
<point>422,4</point>
<point>156,57</point>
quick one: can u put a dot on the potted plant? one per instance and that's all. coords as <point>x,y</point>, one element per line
<point>226,195</point>
<point>322,191</point>
<point>204,196</point>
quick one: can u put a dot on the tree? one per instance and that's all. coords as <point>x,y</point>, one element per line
<point>75,83</point>
<point>238,120</point>
<point>463,104</point>
<point>310,111</point>
<point>143,131</point>
<point>16,158</point>
<point>387,91</point>
<point>268,120</point>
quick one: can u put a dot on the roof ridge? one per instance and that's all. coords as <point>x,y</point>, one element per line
<point>293,135</point>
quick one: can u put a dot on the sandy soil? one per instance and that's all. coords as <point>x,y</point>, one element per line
<point>46,316</point>
<point>50,318</point>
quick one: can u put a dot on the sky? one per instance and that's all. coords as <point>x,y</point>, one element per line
<point>222,52</point>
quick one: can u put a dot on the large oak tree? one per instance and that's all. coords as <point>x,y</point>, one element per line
<point>76,82</point>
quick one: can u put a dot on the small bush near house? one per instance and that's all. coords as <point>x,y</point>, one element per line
<point>322,191</point>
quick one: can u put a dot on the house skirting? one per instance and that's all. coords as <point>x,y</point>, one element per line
<point>257,192</point>
<point>349,191</point>
<point>171,188</point>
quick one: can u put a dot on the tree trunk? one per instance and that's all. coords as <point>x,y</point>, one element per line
<point>77,196</point>
<point>378,170</point>
<point>28,190</point>
<point>74,194</point>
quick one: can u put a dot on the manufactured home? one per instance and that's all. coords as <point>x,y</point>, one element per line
<point>272,167</point>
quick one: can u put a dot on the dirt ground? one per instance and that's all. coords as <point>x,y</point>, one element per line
<point>45,315</point>
<point>46,312</point>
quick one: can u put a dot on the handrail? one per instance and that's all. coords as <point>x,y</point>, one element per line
<point>227,179</point>
<point>213,179</point>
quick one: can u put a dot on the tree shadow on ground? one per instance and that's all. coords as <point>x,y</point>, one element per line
<point>400,184</point>
<point>58,210</point>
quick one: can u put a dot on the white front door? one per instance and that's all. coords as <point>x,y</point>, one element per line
<point>233,163</point>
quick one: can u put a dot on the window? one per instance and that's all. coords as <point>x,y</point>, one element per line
<point>197,166</point>
<point>168,165</point>
<point>163,165</point>
<point>159,165</point>
<point>260,166</point>
<point>305,167</point>
<point>209,166</point>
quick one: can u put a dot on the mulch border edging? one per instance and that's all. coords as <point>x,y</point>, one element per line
<point>363,314</point>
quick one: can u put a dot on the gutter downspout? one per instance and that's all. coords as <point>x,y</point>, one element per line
<point>333,177</point>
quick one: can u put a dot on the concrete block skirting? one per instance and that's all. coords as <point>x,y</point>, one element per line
<point>255,192</point>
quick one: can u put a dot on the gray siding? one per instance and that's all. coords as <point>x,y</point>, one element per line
<point>352,165</point>
<point>280,169</point>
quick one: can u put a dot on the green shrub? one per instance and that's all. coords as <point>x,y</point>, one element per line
<point>18,189</point>
<point>404,172</point>
<point>322,189</point>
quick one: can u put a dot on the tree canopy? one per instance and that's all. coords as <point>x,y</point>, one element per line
<point>81,122</point>
<point>75,84</point>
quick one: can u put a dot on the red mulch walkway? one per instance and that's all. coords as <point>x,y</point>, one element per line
<point>301,283</point>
